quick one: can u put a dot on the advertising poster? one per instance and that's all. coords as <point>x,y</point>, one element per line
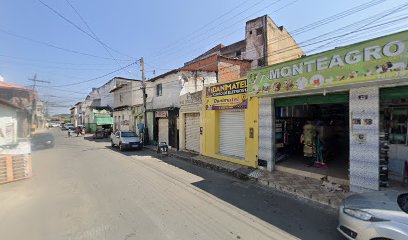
<point>378,59</point>
<point>232,95</point>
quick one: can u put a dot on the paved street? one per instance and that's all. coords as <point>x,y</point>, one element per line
<point>82,189</point>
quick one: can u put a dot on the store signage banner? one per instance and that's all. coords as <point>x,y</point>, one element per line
<point>378,59</point>
<point>230,95</point>
<point>161,114</point>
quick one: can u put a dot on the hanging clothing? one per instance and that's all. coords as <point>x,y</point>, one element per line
<point>309,134</point>
<point>319,153</point>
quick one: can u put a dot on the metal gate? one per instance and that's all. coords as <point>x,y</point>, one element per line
<point>192,138</point>
<point>232,133</point>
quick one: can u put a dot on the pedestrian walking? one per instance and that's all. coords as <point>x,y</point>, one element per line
<point>69,132</point>
<point>141,127</point>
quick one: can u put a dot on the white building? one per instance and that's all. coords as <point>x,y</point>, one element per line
<point>8,122</point>
<point>168,88</point>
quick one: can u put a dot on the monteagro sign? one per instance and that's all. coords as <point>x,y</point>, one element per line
<point>232,95</point>
<point>378,59</point>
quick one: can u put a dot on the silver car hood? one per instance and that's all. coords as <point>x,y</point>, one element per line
<point>374,200</point>
<point>380,204</point>
<point>130,139</point>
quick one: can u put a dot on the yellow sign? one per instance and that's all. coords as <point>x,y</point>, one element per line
<point>230,95</point>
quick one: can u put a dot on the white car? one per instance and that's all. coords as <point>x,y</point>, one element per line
<point>374,215</point>
<point>54,124</point>
<point>126,140</point>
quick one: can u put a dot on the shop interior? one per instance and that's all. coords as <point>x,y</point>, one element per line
<point>312,134</point>
<point>394,124</point>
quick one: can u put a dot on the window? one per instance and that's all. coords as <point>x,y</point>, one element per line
<point>238,53</point>
<point>259,31</point>
<point>120,97</point>
<point>261,62</point>
<point>250,32</point>
<point>159,89</point>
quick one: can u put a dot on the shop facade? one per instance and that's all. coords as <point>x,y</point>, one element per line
<point>229,127</point>
<point>165,127</point>
<point>339,113</point>
<point>189,121</point>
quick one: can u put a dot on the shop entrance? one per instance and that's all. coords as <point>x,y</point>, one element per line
<point>312,134</point>
<point>394,125</point>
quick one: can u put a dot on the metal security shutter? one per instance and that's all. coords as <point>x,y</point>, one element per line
<point>164,130</point>
<point>232,133</point>
<point>193,132</point>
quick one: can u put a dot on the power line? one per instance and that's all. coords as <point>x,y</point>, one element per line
<point>205,25</point>
<point>53,46</point>
<point>176,50</point>
<point>51,67</point>
<point>54,62</point>
<point>297,31</point>
<point>75,25</point>
<point>191,36</point>
<point>96,78</point>
<point>104,45</point>
<point>397,9</point>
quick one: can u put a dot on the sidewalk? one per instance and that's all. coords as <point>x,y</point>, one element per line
<point>299,186</point>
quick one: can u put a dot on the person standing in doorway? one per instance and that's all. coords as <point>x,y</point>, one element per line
<point>309,144</point>
<point>140,127</point>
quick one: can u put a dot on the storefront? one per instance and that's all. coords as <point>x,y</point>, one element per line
<point>394,121</point>
<point>138,118</point>
<point>189,121</point>
<point>100,117</point>
<point>334,114</point>
<point>229,123</point>
<point>166,127</point>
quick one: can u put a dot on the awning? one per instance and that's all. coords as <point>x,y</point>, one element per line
<point>330,98</point>
<point>103,120</point>
<point>394,93</point>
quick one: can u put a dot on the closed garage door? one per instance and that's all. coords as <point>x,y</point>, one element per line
<point>193,132</point>
<point>164,130</point>
<point>232,133</point>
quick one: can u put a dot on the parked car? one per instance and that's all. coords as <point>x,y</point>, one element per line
<point>126,140</point>
<point>54,124</point>
<point>68,126</point>
<point>42,141</point>
<point>374,215</point>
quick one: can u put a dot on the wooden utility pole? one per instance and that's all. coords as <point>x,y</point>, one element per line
<point>34,103</point>
<point>146,133</point>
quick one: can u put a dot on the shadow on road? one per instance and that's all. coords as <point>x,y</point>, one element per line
<point>299,218</point>
<point>91,138</point>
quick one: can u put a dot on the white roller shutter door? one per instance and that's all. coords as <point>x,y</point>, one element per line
<point>232,133</point>
<point>164,130</point>
<point>192,132</point>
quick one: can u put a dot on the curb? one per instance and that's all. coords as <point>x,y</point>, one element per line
<point>243,174</point>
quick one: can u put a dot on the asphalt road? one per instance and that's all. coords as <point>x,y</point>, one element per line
<point>83,189</point>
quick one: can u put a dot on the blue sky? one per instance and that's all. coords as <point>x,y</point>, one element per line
<point>166,33</point>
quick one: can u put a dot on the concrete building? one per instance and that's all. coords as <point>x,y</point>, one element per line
<point>100,98</point>
<point>21,97</point>
<point>128,109</point>
<point>265,43</point>
<point>268,43</point>
<point>354,98</point>
<point>168,88</point>
<point>8,123</point>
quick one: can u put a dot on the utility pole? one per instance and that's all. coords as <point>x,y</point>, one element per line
<point>34,103</point>
<point>146,133</point>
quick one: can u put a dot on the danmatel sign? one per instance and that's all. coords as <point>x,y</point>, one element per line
<point>230,95</point>
<point>225,89</point>
<point>378,59</point>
